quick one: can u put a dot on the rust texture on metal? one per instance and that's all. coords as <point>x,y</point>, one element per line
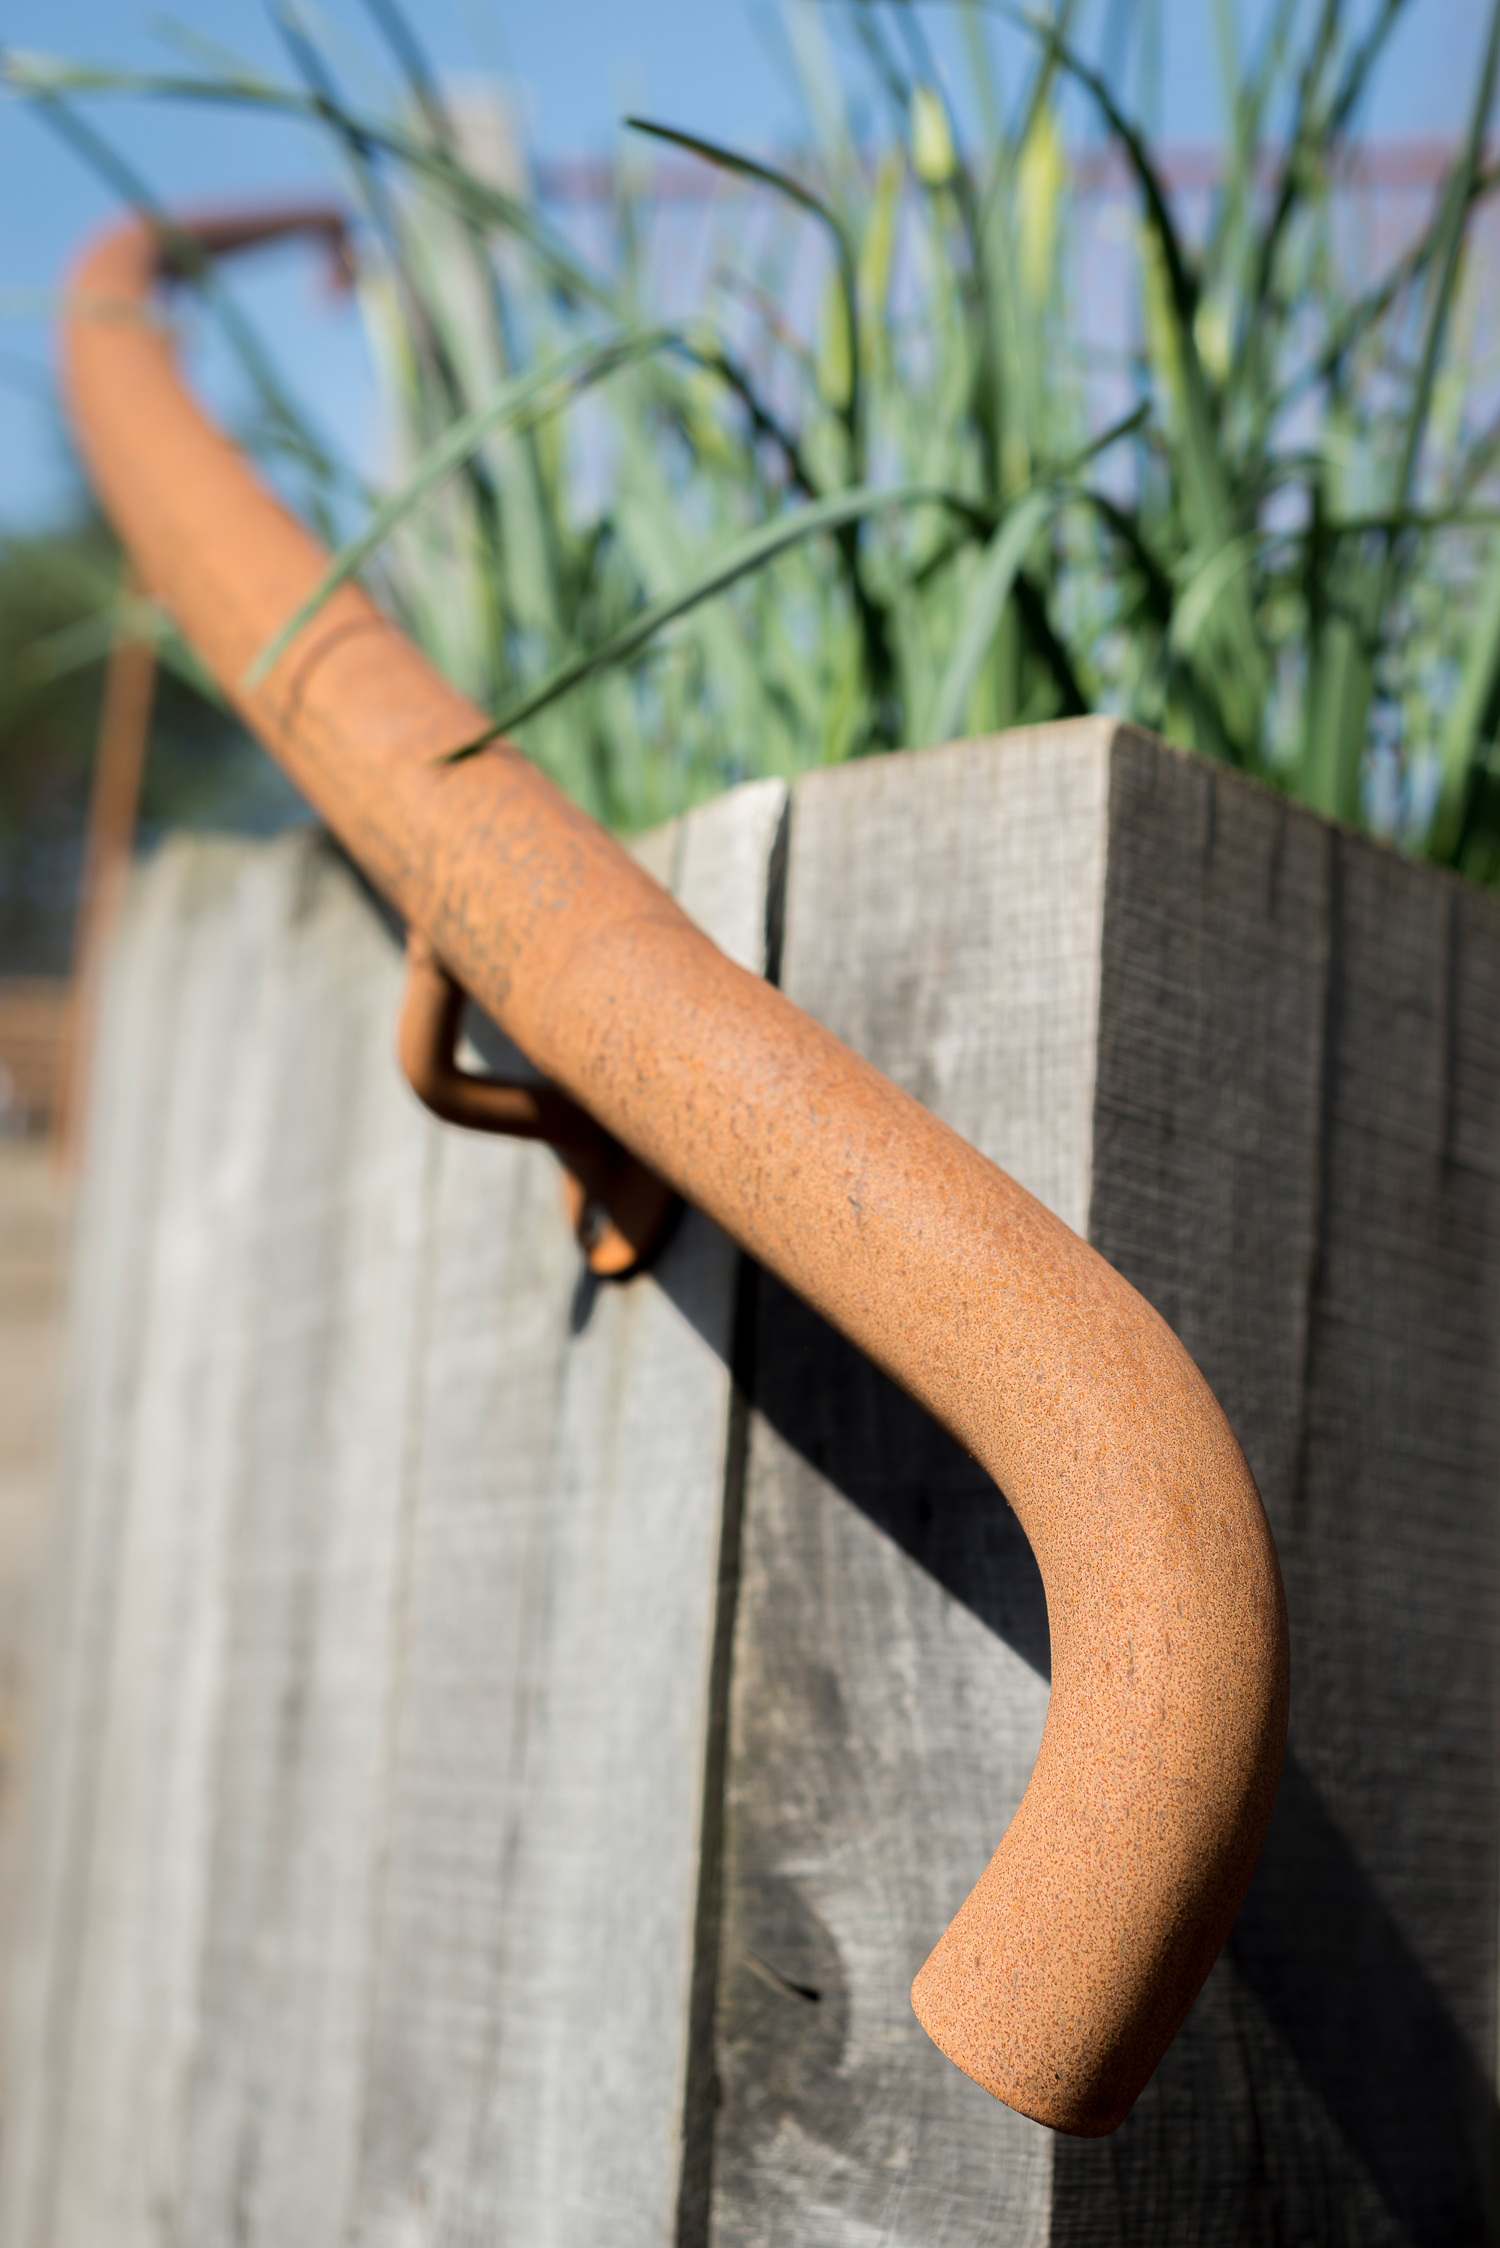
<point>1065,1974</point>
<point>619,1211</point>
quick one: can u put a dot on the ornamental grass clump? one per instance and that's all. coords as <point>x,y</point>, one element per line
<point>876,486</point>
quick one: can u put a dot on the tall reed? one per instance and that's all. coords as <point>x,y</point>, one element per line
<point>874,488</point>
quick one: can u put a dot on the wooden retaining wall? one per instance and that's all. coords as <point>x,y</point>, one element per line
<point>506,1744</point>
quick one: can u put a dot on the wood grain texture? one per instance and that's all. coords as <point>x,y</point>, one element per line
<point>162,1337</point>
<point>530,2017</point>
<point>942,915</point>
<point>407,1862</point>
<point>36,1201</point>
<point>1297,1159</point>
<point>365,1837</point>
<point>320,1484</point>
<point>60,1766</point>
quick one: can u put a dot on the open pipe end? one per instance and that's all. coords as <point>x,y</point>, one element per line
<point>1074,1960</point>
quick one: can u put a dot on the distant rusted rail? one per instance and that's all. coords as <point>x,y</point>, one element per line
<point>1069,1968</point>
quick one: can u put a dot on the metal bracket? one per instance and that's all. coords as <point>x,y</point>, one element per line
<point>619,1211</point>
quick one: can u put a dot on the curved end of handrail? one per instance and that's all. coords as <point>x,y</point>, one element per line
<point>1073,1961</point>
<point>1071,1965</point>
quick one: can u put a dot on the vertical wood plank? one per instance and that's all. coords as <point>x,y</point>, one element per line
<point>318,1485</point>
<point>124,2006</point>
<point>116,1214</point>
<point>36,1204</point>
<point>1298,1161</point>
<point>529,2039</point>
<point>942,915</point>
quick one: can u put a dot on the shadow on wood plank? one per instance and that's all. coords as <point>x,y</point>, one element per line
<point>1398,2126</point>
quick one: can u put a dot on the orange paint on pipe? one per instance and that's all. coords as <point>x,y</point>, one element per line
<point>1066,1973</point>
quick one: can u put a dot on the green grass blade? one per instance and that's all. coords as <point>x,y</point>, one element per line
<point>529,397</point>
<point>745,168</point>
<point>783,184</point>
<point>189,260</point>
<point>43,78</point>
<point>1183,283</point>
<point>1060,26</point>
<point>747,555</point>
<point>982,611</point>
<point>1361,64</point>
<point>208,54</point>
<point>1347,727</point>
<point>1471,717</point>
<point>1302,143</point>
<point>981,72</point>
<point>415,69</point>
<point>1201,591</point>
<point>1241,676</point>
<point>75,646</point>
<point>1449,246</point>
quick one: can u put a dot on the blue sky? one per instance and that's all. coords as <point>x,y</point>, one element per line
<point>575,65</point>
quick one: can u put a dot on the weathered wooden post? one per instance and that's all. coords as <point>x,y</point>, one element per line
<point>1260,1061</point>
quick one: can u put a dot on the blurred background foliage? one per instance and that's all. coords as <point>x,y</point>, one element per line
<point>59,609</point>
<point>881,481</point>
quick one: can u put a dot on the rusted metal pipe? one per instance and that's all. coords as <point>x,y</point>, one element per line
<point>1067,1971</point>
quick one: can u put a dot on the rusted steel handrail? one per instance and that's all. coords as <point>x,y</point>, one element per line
<point>1065,1974</point>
